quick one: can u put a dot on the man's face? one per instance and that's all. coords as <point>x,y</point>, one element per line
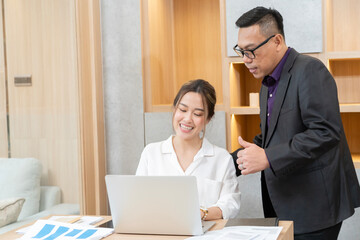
<point>265,59</point>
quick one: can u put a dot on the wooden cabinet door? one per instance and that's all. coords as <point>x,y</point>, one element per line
<point>44,117</point>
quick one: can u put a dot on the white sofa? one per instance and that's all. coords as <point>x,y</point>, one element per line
<point>20,178</point>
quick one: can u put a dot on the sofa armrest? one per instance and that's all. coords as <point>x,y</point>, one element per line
<point>49,196</point>
<point>65,209</point>
<point>59,209</point>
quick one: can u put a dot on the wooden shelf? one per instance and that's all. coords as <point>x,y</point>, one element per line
<point>343,55</point>
<point>350,107</point>
<point>245,110</point>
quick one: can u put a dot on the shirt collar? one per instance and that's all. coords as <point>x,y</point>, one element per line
<point>166,146</point>
<point>207,149</point>
<point>272,79</point>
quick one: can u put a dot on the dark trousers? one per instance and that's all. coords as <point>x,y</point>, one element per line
<point>330,233</point>
<point>268,208</point>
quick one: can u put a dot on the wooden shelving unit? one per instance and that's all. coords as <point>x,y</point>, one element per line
<point>343,57</point>
<point>185,39</point>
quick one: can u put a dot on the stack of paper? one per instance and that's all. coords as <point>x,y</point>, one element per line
<point>241,233</point>
<point>55,230</point>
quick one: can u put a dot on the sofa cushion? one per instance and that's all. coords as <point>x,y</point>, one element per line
<point>10,210</point>
<point>20,177</point>
<point>49,196</point>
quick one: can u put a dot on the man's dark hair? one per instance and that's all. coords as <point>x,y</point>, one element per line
<point>269,20</point>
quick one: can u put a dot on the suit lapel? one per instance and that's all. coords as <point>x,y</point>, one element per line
<point>263,111</point>
<point>279,99</point>
<point>280,94</point>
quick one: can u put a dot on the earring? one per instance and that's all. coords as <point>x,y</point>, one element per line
<point>201,134</point>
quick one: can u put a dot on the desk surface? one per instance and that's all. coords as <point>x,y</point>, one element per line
<point>287,232</point>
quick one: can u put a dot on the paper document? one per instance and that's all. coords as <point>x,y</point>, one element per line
<point>84,220</point>
<point>65,219</point>
<point>54,230</point>
<point>241,233</point>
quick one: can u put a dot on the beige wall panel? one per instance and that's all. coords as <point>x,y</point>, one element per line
<point>3,123</point>
<point>235,90</point>
<point>93,166</point>
<point>41,41</point>
<point>342,33</point>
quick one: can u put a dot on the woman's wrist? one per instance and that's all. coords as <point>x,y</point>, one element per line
<point>204,213</point>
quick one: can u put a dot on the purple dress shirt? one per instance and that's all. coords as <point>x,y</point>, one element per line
<point>272,82</point>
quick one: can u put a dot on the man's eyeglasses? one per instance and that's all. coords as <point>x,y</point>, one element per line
<point>250,52</point>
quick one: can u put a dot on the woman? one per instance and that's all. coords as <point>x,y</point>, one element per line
<point>188,152</point>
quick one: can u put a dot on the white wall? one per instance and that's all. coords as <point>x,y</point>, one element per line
<point>302,22</point>
<point>121,46</point>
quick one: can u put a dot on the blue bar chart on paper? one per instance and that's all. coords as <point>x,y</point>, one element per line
<point>53,230</point>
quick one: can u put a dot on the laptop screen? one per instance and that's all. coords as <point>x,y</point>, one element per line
<point>154,204</point>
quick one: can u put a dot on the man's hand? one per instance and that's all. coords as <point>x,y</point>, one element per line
<point>252,158</point>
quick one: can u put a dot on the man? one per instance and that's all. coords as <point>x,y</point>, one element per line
<point>307,171</point>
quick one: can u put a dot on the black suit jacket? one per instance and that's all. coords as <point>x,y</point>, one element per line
<point>312,179</point>
<point>234,156</point>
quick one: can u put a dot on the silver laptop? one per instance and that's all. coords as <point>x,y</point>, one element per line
<point>155,205</point>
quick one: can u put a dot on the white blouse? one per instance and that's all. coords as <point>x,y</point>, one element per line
<point>213,167</point>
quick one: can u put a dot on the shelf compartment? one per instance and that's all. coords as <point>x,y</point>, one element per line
<point>246,126</point>
<point>352,133</point>
<point>242,83</point>
<point>180,42</point>
<point>356,159</point>
<point>347,76</point>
